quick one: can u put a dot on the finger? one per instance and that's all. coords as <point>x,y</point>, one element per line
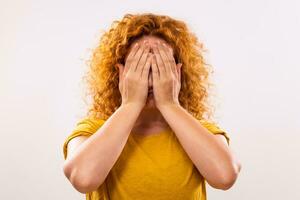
<point>170,60</point>
<point>143,59</point>
<point>155,70</point>
<point>145,70</point>
<point>121,70</point>
<point>159,62</point>
<point>137,57</point>
<point>179,71</point>
<point>164,59</point>
<point>131,56</point>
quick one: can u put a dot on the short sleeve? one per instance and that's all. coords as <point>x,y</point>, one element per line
<point>85,127</point>
<point>215,129</point>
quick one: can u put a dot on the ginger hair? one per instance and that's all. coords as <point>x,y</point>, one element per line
<point>102,77</point>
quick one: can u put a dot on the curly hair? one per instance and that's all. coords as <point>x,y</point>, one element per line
<point>102,77</point>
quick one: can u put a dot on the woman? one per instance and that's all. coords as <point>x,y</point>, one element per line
<point>148,132</point>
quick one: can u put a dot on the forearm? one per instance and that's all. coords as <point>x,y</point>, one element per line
<point>96,156</point>
<point>211,156</point>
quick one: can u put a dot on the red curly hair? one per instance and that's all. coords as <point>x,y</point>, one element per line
<point>102,77</point>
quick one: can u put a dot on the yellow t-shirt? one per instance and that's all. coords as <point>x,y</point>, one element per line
<point>149,167</point>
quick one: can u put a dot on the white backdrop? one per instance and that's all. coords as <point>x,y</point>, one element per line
<point>253,47</point>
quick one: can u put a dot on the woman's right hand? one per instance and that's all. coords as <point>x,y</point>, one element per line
<point>133,78</point>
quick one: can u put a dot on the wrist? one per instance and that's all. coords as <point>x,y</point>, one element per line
<point>133,106</point>
<point>167,106</point>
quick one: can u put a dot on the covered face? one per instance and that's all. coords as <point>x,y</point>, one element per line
<point>151,41</point>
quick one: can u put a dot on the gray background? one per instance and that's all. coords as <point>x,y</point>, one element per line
<point>253,47</point>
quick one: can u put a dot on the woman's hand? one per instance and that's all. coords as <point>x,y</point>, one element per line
<point>133,78</point>
<point>166,76</point>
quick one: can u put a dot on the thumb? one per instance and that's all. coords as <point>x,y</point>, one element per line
<point>179,65</point>
<point>121,69</point>
<point>155,72</point>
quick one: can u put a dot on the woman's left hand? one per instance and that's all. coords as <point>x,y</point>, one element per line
<point>166,76</point>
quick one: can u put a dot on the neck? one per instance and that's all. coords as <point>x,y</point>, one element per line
<point>150,117</point>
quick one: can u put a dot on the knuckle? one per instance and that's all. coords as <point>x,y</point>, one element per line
<point>170,79</point>
<point>129,60</point>
<point>164,80</point>
<point>127,77</point>
<point>144,81</point>
<point>132,78</point>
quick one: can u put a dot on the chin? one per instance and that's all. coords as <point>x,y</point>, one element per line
<point>150,104</point>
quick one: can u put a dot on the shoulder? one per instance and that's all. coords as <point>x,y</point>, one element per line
<point>84,128</point>
<point>214,128</point>
<point>89,123</point>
